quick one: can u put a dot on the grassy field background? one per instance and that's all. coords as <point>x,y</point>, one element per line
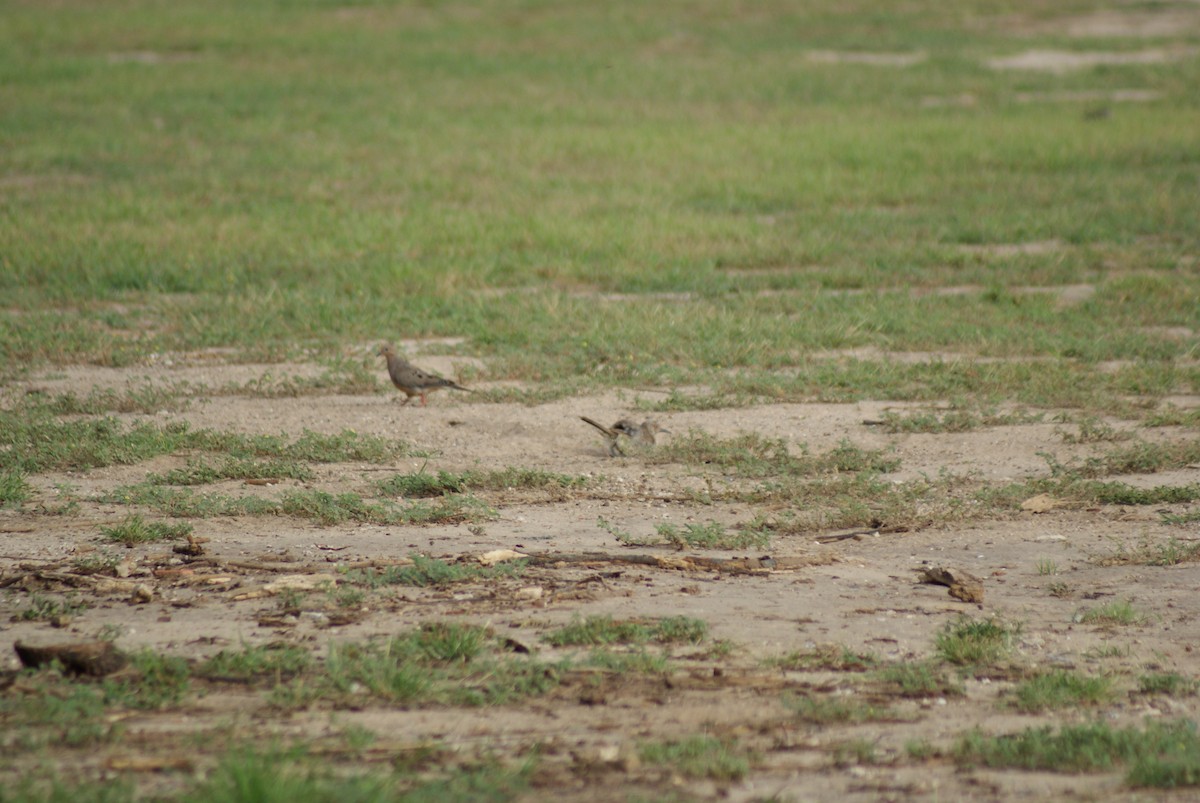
<point>272,176</point>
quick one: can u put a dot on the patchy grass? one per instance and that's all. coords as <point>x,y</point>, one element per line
<point>320,506</point>
<point>1118,612</point>
<point>232,468</point>
<point>919,680</point>
<point>1163,754</point>
<point>14,490</point>
<point>601,630</point>
<point>831,657</point>
<point>1151,552</point>
<point>37,441</point>
<point>958,419</point>
<point>136,530</point>
<point>1060,689</point>
<point>699,757</point>
<point>1172,684</point>
<point>444,663</point>
<point>752,456</point>
<point>976,642</point>
<point>423,484</point>
<point>274,662</point>
<point>705,535</point>
<point>42,608</point>
<point>829,709</point>
<point>1047,567</point>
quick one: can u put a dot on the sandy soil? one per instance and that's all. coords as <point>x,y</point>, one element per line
<point>859,592</point>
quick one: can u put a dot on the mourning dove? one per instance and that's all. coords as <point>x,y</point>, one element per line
<point>411,379</point>
<point>638,433</point>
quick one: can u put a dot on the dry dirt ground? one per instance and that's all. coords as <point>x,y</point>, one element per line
<point>859,593</point>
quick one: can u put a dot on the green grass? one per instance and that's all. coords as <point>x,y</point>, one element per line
<point>253,774</point>
<point>1118,612</point>
<point>919,680</point>
<point>423,484</point>
<point>1169,683</point>
<point>136,530</point>
<point>38,441</point>
<point>42,608</point>
<point>828,709</point>
<point>958,419</point>
<point>602,630</point>
<point>232,468</point>
<point>975,642</point>
<point>832,657</point>
<point>1061,689</point>
<point>320,506</point>
<point>275,661</point>
<point>753,456</point>
<point>446,663</point>
<point>1165,754</point>
<point>218,200</point>
<point>699,757</point>
<point>706,535</point>
<point>14,490</point>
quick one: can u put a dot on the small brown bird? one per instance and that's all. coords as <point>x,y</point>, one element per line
<point>638,433</point>
<point>411,379</point>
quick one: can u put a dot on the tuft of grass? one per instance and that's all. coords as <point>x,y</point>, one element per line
<point>1060,689</point>
<point>699,757</point>
<point>320,506</point>
<point>232,468</point>
<point>1117,612</point>
<point>1093,430</point>
<point>712,535</point>
<point>975,642</point>
<point>42,608</point>
<point>959,419</point>
<point>100,562</point>
<point>919,680</point>
<point>252,774</point>
<point>446,663</point>
<point>156,681</point>
<point>830,709</point>
<point>135,530</point>
<point>1169,683</point>
<point>831,657</point>
<point>14,490</point>
<point>854,752</point>
<point>753,456</point>
<point>1175,551</point>
<point>1046,567</point>
<point>638,661</point>
<point>1164,754</point>
<point>424,484</point>
<point>276,661</point>
<point>54,711</point>
<point>600,630</point>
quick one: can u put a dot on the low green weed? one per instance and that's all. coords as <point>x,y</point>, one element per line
<point>599,630</point>
<point>1060,689</point>
<point>699,757</point>
<point>975,642</point>
<point>136,530</point>
<point>1118,612</point>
